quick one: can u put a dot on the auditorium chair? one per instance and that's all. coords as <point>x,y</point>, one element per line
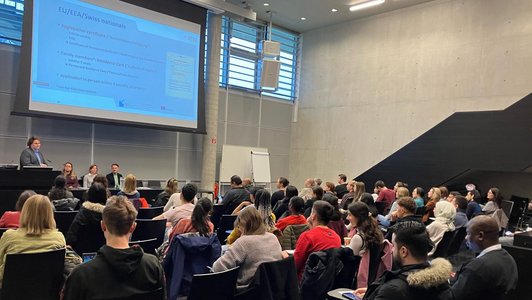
<point>227,223</point>
<point>63,219</point>
<point>33,276</point>
<point>149,229</point>
<point>219,285</point>
<point>148,246</point>
<point>444,244</point>
<point>149,212</point>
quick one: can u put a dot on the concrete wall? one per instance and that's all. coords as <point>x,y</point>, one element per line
<point>370,86</point>
<point>147,153</point>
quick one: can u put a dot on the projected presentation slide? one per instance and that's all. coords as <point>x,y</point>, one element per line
<point>114,62</point>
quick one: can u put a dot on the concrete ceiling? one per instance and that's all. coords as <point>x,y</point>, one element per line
<point>288,13</point>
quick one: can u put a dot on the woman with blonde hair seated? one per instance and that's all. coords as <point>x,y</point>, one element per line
<point>130,191</point>
<point>254,247</point>
<point>37,231</point>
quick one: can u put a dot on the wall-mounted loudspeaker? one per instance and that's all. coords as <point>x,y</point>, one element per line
<point>270,48</point>
<point>270,74</point>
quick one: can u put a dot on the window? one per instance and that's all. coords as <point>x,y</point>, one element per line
<point>11,21</point>
<point>240,58</point>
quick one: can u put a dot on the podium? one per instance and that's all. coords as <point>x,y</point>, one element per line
<point>14,182</point>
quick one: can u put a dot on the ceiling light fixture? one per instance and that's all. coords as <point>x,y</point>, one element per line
<point>334,10</point>
<point>303,18</point>
<point>366,4</point>
<point>266,4</point>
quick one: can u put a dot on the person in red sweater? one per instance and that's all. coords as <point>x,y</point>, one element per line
<point>11,219</point>
<point>319,237</point>
<point>296,217</point>
<point>385,194</point>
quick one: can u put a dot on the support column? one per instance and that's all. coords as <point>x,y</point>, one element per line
<point>210,140</point>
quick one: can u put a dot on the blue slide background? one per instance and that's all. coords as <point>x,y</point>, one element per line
<point>87,56</point>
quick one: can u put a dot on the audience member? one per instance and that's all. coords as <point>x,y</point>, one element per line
<point>90,214</point>
<point>460,203</point>
<point>434,196</point>
<point>341,188</point>
<point>310,183</point>
<point>70,176</point>
<point>282,183</point>
<point>349,196</point>
<point>336,222</point>
<point>130,188</point>
<point>399,184</point>
<point>263,205</point>
<point>114,177</point>
<point>184,211</point>
<point>198,222</point>
<point>317,194</point>
<point>416,278</point>
<point>232,198</point>
<point>62,199</point>
<point>306,193</point>
<point>444,193</point>
<point>473,206</point>
<point>418,194</point>
<point>255,246</point>
<point>318,181</point>
<point>296,207</point>
<point>118,271</point>
<point>493,273</point>
<point>37,231</point>
<point>406,210</point>
<point>452,195</point>
<point>494,201</point>
<point>368,233</point>
<point>329,188</point>
<point>444,213</point>
<point>247,183</point>
<point>169,190</point>
<point>384,193</point>
<point>252,193</point>
<point>385,221</point>
<point>319,237</point>
<point>358,189</point>
<point>11,219</point>
<point>89,177</point>
<point>281,208</point>
<point>370,202</point>
<point>59,191</point>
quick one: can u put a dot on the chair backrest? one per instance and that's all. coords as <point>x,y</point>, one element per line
<point>90,238</point>
<point>63,219</point>
<point>507,207</point>
<point>149,229</point>
<point>523,260</point>
<point>33,275</point>
<point>381,206</point>
<point>227,222</point>
<point>420,211</point>
<point>219,286</point>
<point>273,280</point>
<point>148,246</point>
<point>443,245</point>
<point>157,294</point>
<point>150,212</point>
<point>458,239</point>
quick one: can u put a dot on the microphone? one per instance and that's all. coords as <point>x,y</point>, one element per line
<point>49,161</point>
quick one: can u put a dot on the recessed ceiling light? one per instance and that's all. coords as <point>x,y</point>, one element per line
<point>266,4</point>
<point>303,18</point>
<point>366,4</point>
<point>334,10</point>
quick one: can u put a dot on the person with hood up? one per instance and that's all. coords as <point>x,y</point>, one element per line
<point>444,214</point>
<point>118,271</point>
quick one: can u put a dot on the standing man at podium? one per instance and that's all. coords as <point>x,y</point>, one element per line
<point>113,178</point>
<point>32,155</point>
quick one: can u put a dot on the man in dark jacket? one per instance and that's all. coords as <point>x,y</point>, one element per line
<point>117,271</point>
<point>416,278</point>
<point>232,198</point>
<point>493,273</point>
